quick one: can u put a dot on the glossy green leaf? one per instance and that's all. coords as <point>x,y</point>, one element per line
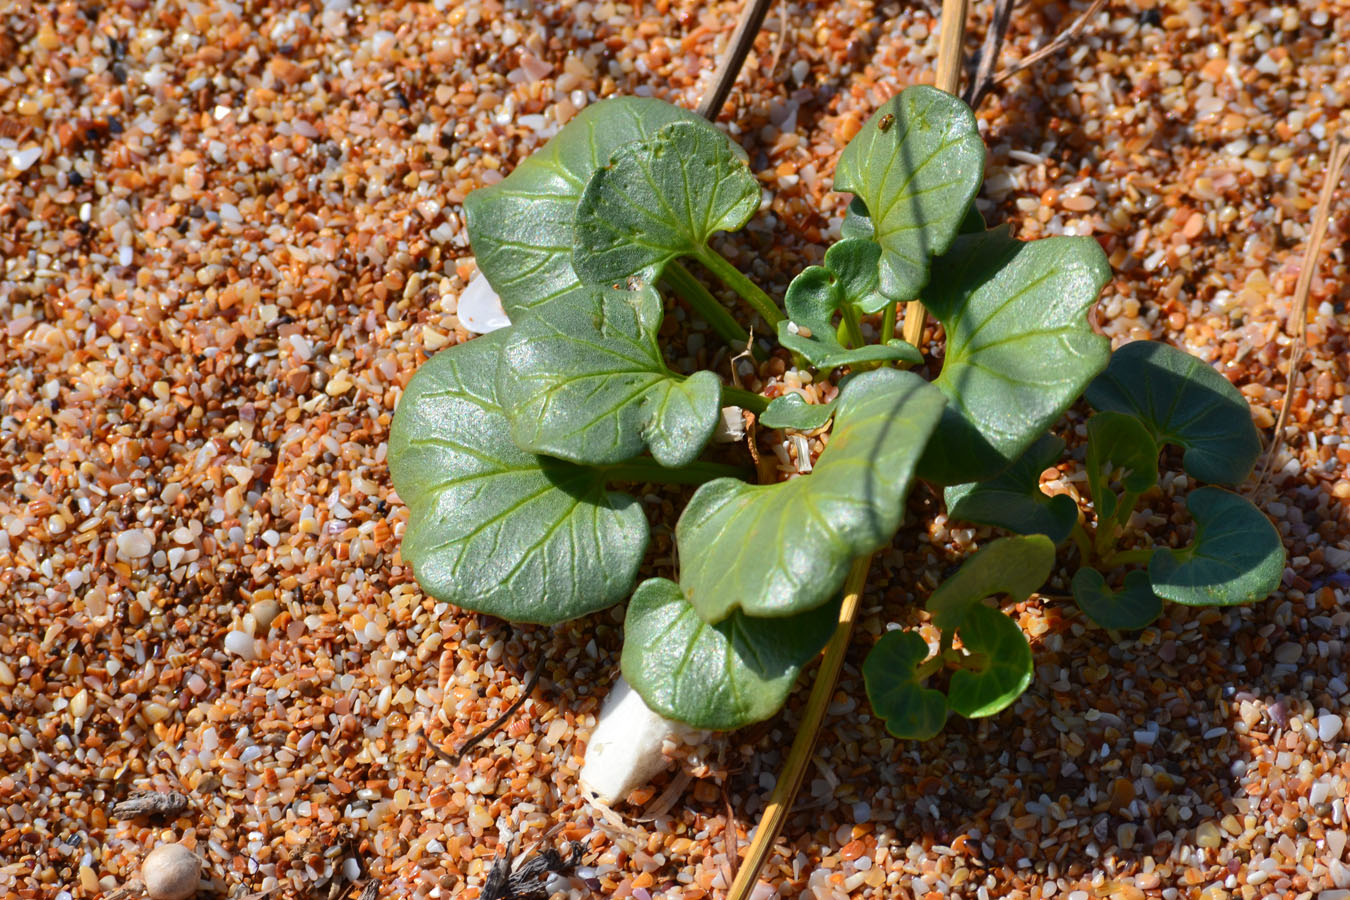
<point>721,676</point>
<point>1133,607</point>
<point>916,165</point>
<point>890,671</point>
<point>493,528</point>
<point>1007,665</point>
<point>1184,401</point>
<point>1019,346</point>
<point>819,293</point>
<point>791,411</point>
<point>522,227</point>
<point>1013,499</point>
<point>587,383</point>
<point>780,549</point>
<point>1125,444</point>
<point>1237,556</point>
<point>857,223</point>
<point>661,198</point>
<point>1015,566</point>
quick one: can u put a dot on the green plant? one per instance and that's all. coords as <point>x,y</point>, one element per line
<point>507,448</point>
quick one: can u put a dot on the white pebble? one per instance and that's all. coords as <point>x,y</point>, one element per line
<point>134,543</point>
<point>480,309</point>
<point>24,159</point>
<point>1328,727</point>
<point>1335,843</point>
<point>240,643</point>
<point>171,872</point>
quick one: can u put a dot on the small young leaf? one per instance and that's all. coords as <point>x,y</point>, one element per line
<point>781,549</point>
<point>721,676</point>
<point>1007,670</point>
<point>848,278</point>
<point>1127,445</point>
<point>1019,346</point>
<point>587,383</point>
<point>1184,401</point>
<point>911,711</point>
<point>1013,499</point>
<point>521,227</point>
<point>493,528</point>
<point>1015,566</point>
<point>1237,556</point>
<point>793,412</point>
<point>916,165</point>
<point>659,199</point>
<point>857,223</point>
<point>1133,607</point>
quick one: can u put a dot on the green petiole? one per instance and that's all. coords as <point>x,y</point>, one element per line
<point>735,396</point>
<point>852,326</point>
<point>645,470</point>
<point>888,322</point>
<point>749,291</point>
<point>701,300</point>
<point>1126,557</point>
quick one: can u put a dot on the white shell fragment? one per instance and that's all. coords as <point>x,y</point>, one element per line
<point>731,426</point>
<point>624,751</point>
<point>480,309</point>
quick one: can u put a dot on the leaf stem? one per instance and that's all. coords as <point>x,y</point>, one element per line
<point>1083,542</point>
<point>645,470</point>
<point>701,300</point>
<point>749,291</point>
<point>850,317</point>
<point>888,322</point>
<point>1126,557</point>
<point>794,769</point>
<point>735,396</point>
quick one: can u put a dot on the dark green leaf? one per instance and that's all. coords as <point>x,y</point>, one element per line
<point>721,676</point>
<point>587,383</point>
<point>1126,445</point>
<point>493,528</point>
<point>910,710</point>
<point>780,549</point>
<point>661,198</point>
<point>1133,607</point>
<point>793,412</point>
<point>521,227</point>
<point>857,223</point>
<point>1184,401</point>
<point>1013,499</point>
<point>848,278</point>
<point>916,165</point>
<point>1015,566</point>
<point>1237,556</point>
<point>1007,668</point>
<point>1019,346</point>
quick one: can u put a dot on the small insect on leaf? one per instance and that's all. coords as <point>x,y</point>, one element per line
<point>886,122</point>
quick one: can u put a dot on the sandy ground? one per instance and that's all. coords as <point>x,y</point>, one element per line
<point>229,234</point>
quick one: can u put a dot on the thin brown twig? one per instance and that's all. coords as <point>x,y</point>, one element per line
<point>454,758</point>
<point>1060,41</point>
<point>1298,316</point>
<point>983,82</point>
<point>752,17</point>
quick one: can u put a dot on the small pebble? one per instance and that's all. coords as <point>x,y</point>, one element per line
<point>171,872</point>
<point>1328,726</point>
<point>241,644</point>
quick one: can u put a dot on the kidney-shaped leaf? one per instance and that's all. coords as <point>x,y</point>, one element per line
<point>493,528</point>
<point>1123,442</point>
<point>587,383</point>
<point>890,671</point>
<point>916,165</point>
<point>1185,402</point>
<point>522,227</point>
<point>1007,665</point>
<point>721,676</point>
<point>1133,607</point>
<point>1015,566</point>
<point>780,549</point>
<point>661,198</point>
<point>793,412</point>
<point>848,278</point>
<point>1237,556</point>
<point>1019,346</point>
<point>1013,499</point>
